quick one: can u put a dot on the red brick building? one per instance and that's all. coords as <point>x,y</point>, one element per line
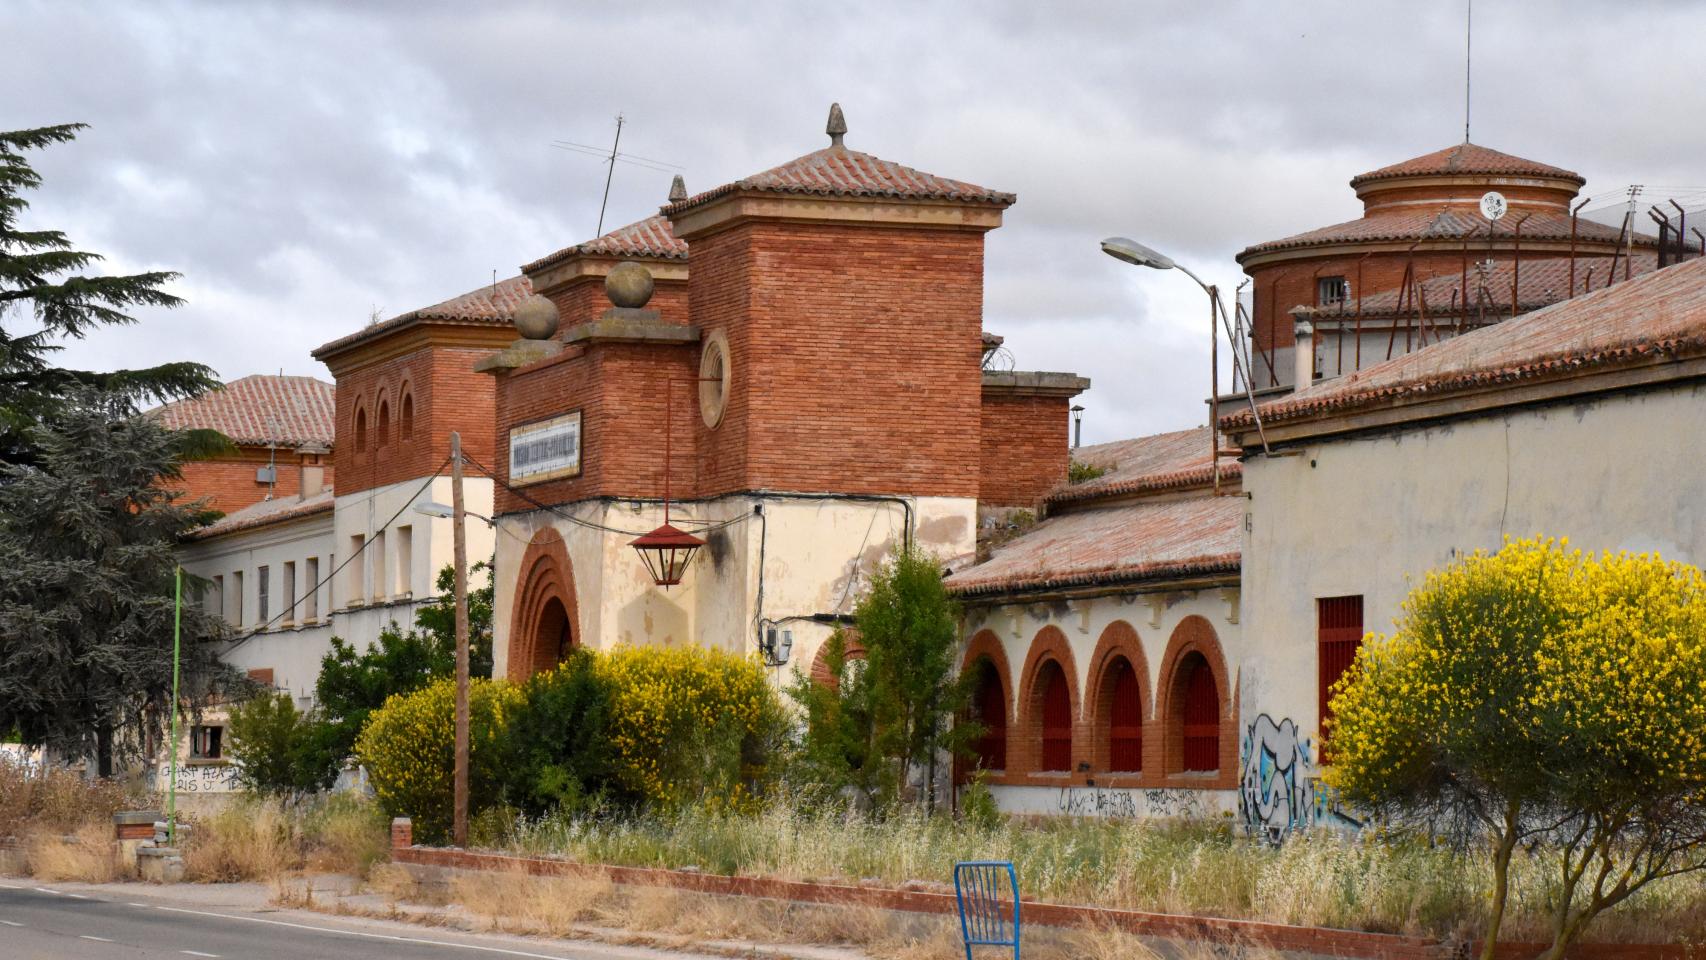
<point>1423,263</point>
<point>283,431</point>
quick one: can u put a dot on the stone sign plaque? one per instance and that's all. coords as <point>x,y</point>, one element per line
<point>547,450</point>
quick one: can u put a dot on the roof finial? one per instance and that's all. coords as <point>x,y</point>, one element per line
<point>677,189</point>
<point>837,127</point>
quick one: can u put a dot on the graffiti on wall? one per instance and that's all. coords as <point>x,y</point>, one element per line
<point>201,778</point>
<point>1130,804</point>
<point>1278,791</point>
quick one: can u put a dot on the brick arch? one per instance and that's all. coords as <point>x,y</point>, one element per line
<point>1195,637</point>
<point>985,645</point>
<point>851,650</point>
<point>406,410</point>
<point>545,600</point>
<point>382,420</point>
<point>1049,645</point>
<point>358,427</point>
<point>1119,640</point>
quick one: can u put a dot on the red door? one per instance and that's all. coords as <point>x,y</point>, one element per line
<point>1125,718</point>
<point>991,711</point>
<point>1202,717</point>
<point>1057,720</point>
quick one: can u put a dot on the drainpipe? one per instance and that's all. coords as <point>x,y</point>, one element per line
<point>1303,348</point>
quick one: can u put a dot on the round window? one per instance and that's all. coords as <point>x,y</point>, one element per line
<point>714,376</point>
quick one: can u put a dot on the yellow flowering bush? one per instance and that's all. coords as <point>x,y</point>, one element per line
<point>692,725</point>
<point>1539,695</point>
<point>408,747</point>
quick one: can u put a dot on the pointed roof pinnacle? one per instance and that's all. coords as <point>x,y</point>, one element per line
<point>837,126</point>
<point>677,189</point>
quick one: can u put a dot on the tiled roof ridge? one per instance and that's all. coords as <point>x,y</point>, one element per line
<point>1207,564</point>
<point>652,237</point>
<point>259,408</point>
<point>1166,480</point>
<point>1466,159</point>
<point>485,306</point>
<point>249,518</point>
<point>1453,221</point>
<point>839,171</point>
<point>1558,362</point>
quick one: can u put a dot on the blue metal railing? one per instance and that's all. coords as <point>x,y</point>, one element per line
<point>984,888</point>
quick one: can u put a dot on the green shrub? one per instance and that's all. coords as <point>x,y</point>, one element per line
<point>559,732</point>
<point>408,746</point>
<point>691,725</point>
<point>279,750</point>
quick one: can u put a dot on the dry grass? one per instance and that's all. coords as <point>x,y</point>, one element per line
<point>57,801</point>
<point>594,908</point>
<point>85,856</point>
<point>251,841</point>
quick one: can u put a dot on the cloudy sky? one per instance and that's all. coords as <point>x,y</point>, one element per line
<point>307,165</point>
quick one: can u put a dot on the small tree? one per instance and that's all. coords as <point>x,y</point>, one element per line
<point>1502,707</point>
<point>838,749</point>
<point>898,710</point>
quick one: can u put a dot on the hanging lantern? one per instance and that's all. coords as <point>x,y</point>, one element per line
<point>666,552</point>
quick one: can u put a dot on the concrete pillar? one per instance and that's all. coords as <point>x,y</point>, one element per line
<point>1303,348</point>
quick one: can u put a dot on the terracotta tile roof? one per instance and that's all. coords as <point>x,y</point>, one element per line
<point>1541,284</point>
<point>1452,223</point>
<point>265,513</point>
<point>836,171</point>
<point>652,238</point>
<point>1653,316</point>
<point>489,305</point>
<point>1164,461</point>
<point>1121,544</point>
<point>1466,159</point>
<point>260,409</point>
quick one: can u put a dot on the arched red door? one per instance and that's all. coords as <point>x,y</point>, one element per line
<point>1057,718</point>
<point>989,708</point>
<point>1125,719</point>
<point>1201,716</point>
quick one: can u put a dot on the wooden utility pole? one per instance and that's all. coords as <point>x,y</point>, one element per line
<point>459,821</point>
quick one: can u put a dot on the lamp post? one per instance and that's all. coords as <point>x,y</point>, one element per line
<point>667,550</point>
<point>1077,426</point>
<point>1132,252</point>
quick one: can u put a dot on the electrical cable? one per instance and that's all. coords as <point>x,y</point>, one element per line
<point>367,541</point>
<point>710,526</point>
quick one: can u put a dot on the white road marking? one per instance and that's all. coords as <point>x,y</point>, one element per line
<point>84,936</point>
<point>370,936</point>
<point>77,896</point>
<point>46,890</point>
<point>198,953</point>
<point>11,923</point>
<point>11,886</point>
<point>136,905</point>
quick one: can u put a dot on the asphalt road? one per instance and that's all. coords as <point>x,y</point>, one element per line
<point>50,922</point>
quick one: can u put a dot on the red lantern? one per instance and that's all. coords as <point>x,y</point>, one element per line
<point>666,552</point>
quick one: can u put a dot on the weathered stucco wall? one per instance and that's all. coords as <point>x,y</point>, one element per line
<point>1371,515</point>
<point>817,555</point>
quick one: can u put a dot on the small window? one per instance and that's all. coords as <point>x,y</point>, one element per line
<point>289,585</point>
<point>1338,631</point>
<point>216,597</point>
<point>236,617</point>
<point>311,595</point>
<point>357,569</point>
<point>1057,718</point>
<point>384,424</point>
<point>360,431</point>
<point>406,417</point>
<point>376,549</point>
<point>405,560</point>
<point>263,581</point>
<point>206,742</point>
<point>1330,291</point>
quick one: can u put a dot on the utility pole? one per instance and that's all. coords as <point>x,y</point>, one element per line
<point>459,822</point>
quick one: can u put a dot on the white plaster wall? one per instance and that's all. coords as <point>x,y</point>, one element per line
<point>1371,515</point>
<point>294,645</point>
<point>817,559</point>
<point>432,549</point>
<point>1115,802</point>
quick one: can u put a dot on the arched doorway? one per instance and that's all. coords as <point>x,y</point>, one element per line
<point>1125,717</point>
<point>545,625</point>
<point>1196,697</point>
<point>1057,717</point>
<point>989,708</point>
<point>1198,715</point>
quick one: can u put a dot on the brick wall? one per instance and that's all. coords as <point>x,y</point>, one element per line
<point>582,300</point>
<point>855,354</point>
<point>447,395</point>
<point>229,481</point>
<point>1024,449</point>
<point>619,389</point>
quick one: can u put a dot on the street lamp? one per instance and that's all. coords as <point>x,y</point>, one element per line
<point>1130,251</point>
<point>443,511</point>
<point>1077,426</point>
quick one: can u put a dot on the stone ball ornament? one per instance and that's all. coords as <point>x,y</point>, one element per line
<point>536,318</point>
<point>629,285</point>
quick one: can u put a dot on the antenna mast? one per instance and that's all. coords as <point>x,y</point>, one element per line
<point>1468,36</point>
<point>608,175</point>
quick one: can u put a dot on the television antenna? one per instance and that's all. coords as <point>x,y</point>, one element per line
<point>611,157</point>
